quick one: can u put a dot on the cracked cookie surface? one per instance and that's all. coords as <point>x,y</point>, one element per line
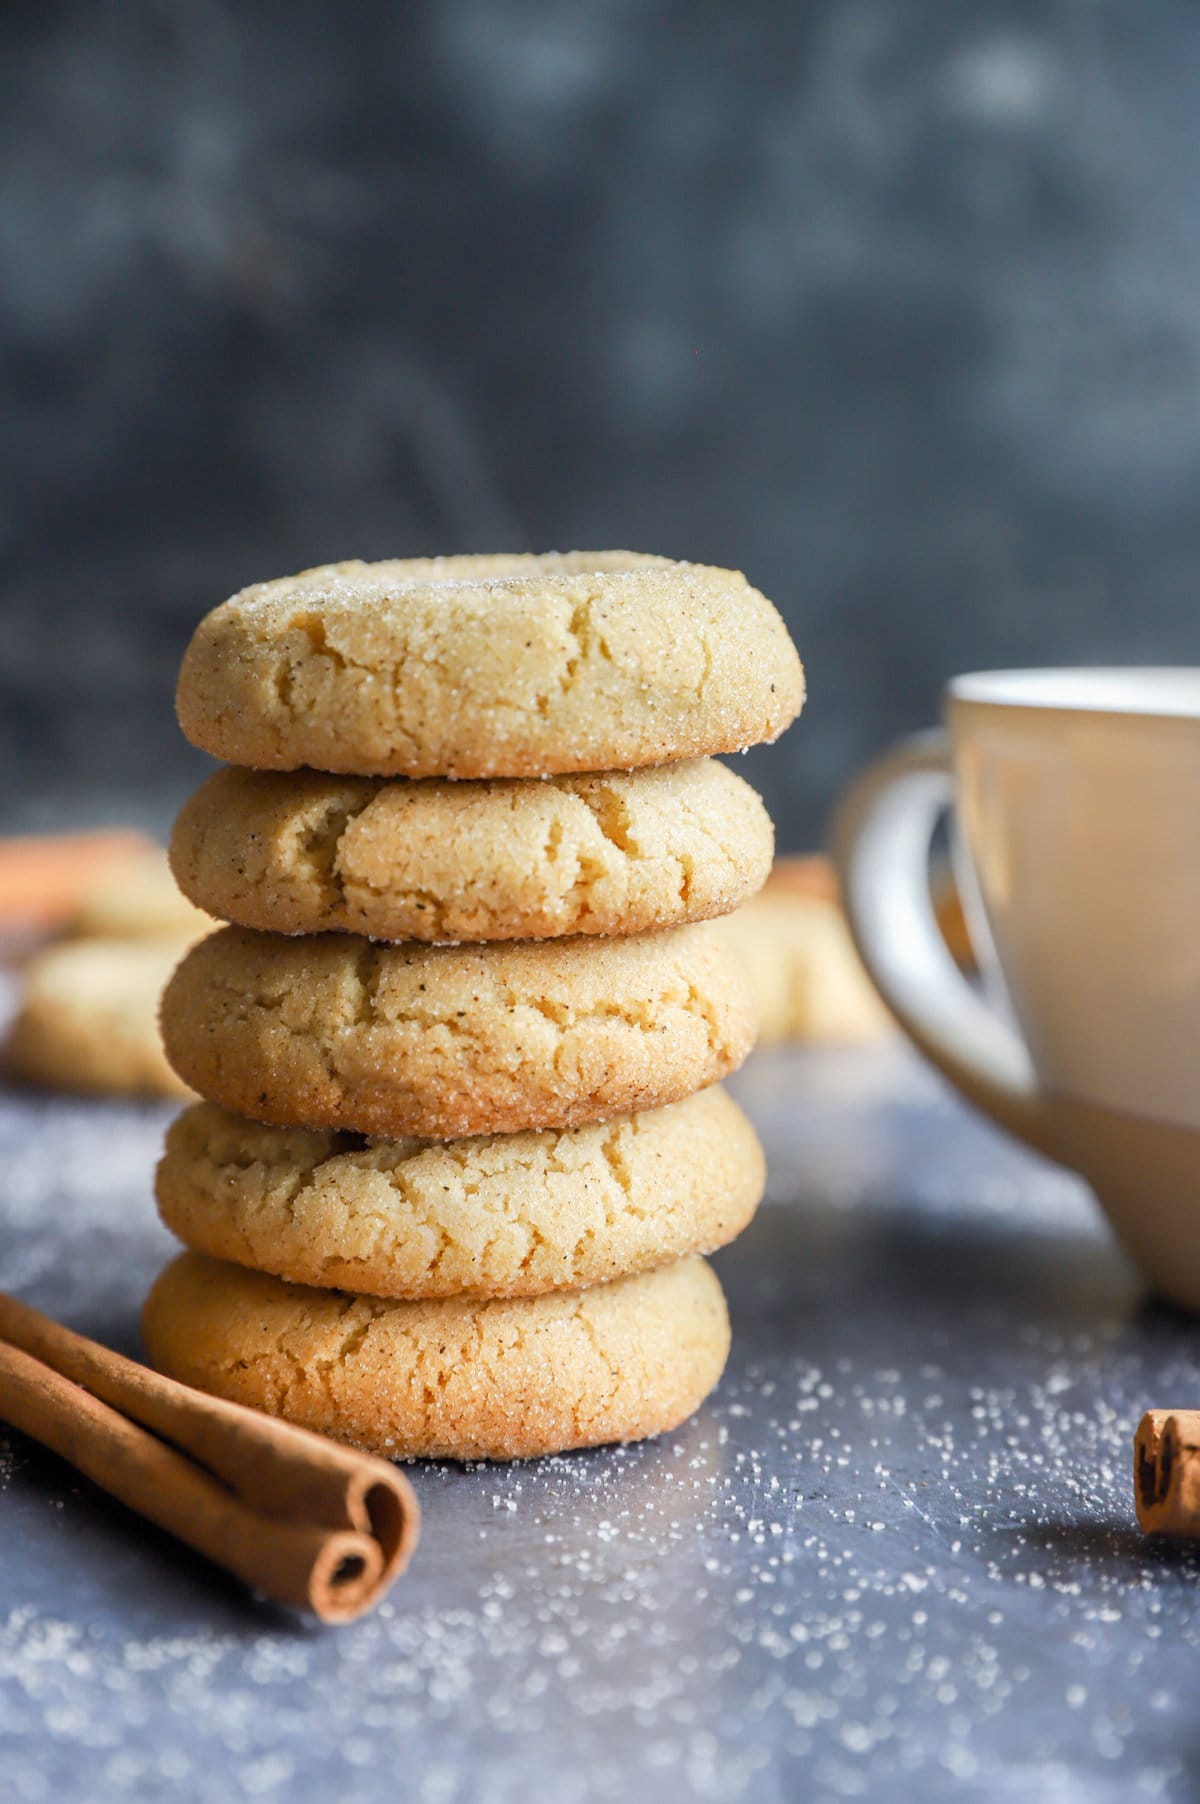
<point>504,666</point>
<point>506,859</point>
<point>453,1379</point>
<point>502,1215</point>
<point>335,1031</point>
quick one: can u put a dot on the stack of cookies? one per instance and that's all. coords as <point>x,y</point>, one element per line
<point>463,1146</point>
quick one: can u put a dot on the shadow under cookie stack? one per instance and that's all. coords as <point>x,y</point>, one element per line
<point>463,1144</point>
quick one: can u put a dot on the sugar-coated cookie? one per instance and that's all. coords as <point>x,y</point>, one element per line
<point>501,1215</point>
<point>804,972</point>
<point>454,1379</point>
<point>88,1017</point>
<point>501,860</point>
<point>137,898</point>
<point>506,666</point>
<point>335,1031</point>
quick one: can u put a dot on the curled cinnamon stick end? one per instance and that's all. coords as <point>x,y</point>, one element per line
<point>381,1504</point>
<point>1166,1472</point>
<point>310,1523</point>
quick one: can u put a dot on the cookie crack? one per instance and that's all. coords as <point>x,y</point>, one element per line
<point>610,811</point>
<point>614,1158</point>
<point>368,970</point>
<point>284,686</point>
<point>537,1244</point>
<point>701,1005</point>
<point>589,1328</point>
<point>320,850</point>
<point>706,673</point>
<point>354,1339</point>
<point>579,630</point>
<point>316,632</point>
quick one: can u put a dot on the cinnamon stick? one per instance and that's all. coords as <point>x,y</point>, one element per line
<point>1166,1472</point>
<point>44,877</point>
<point>301,1518</point>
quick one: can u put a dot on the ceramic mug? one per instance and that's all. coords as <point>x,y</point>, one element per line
<point>1076,813</point>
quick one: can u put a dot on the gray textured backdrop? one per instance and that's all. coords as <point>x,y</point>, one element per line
<point>895,306</point>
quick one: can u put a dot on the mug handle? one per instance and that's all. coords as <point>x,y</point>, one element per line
<point>881,841</point>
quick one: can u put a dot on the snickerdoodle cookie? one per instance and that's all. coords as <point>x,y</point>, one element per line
<point>503,666</point>
<point>88,1017</point>
<point>804,972</point>
<point>500,860</point>
<point>138,898</point>
<point>335,1031</point>
<point>458,1378</point>
<point>501,1215</point>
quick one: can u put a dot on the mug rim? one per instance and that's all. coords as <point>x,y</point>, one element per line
<point>1134,691</point>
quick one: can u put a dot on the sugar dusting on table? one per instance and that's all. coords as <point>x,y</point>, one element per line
<point>895,1553</point>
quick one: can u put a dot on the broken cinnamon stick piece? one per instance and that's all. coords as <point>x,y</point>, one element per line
<point>1166,1472</point>
<point>306,1521</point>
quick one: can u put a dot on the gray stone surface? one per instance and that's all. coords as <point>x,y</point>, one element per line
<point>895,1556</point>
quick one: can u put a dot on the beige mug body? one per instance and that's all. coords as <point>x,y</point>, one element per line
<point>1076,799</point>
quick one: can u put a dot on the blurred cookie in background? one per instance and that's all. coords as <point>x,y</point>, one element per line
<point>795,947</point>
<point>805,973</point>
<point>93,926</point>
<point>134,898</point>
<point>87,1019</point>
